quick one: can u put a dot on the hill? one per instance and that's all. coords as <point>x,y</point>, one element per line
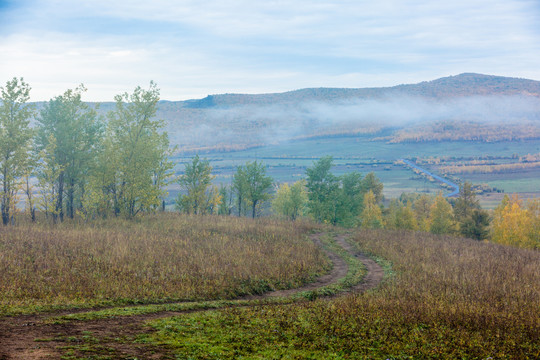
<point>470,107</point>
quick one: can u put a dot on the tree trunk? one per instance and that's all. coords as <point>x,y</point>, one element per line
<point>239,205</point>
<point>5,215</point>
<point>254,207</point>
<point>59,210</point>
<point>5,202</point>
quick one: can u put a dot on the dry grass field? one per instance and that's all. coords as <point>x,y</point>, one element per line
<point>160,258</point>
<point>444,298</point>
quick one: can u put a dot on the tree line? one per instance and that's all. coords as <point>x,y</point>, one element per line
<point>83,163</point>
<point>118,165</point>
<point>325,197</point>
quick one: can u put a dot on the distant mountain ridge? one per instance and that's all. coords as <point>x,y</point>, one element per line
<point>470,107</point>
<point>466,84</point>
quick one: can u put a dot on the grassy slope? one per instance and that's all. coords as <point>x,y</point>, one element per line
<point>448,298</point>
<point>167,257</point>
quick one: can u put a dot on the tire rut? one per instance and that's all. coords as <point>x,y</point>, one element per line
<point>18,334</point>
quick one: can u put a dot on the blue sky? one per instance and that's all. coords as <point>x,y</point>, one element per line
<point>195,48</point>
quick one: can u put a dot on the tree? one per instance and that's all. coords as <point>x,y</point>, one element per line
<point>77,132</point>
<point>239,185</point>
<point>371,182</point>
<point>227,198</point>
<point>371,214</point>
<point>135,165</point>
<point>15,142</point>
<point>48,173</point>
<point>338,200</point>
<point>402,216</point>
<point>290,201</point>
<point>441,216</point>
<point>471,219</point>
<point>350,198</point>
<point>465,203</point>
<point>422,209</point>
<point>258,185</point>
<point>322,189</point>
<point>512,223</point>
<point>476,225</point>
<point>196,180</point>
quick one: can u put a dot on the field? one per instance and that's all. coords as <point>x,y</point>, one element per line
<point>185,280</point>
<point>445,298</point>
<point>287,162</point>
<point>157,259</point>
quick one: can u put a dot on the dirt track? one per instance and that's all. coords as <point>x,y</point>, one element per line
<point>18,334</point>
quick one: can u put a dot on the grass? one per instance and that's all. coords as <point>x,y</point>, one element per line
<point>448,298</point>
<point>162,258</point>
<point>354,275</point>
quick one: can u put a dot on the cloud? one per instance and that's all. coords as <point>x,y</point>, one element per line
<point>193,48</point>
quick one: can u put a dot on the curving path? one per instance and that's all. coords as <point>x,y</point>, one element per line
<point>18,334</point>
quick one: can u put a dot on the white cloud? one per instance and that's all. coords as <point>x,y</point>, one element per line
<point>193,48</point>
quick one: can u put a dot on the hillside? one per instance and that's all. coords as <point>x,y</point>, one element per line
<point>470,107</point>
<point>467,84</point>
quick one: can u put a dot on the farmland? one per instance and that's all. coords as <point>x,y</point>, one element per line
<point>287,162</point>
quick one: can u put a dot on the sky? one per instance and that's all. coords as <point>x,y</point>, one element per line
<point>195,48</point>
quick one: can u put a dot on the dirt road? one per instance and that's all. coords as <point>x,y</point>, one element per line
<point>32,337</point>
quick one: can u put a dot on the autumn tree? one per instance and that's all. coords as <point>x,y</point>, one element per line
<point>441,216</point>
<point>15,142</point>
<point>512,224</point>
<point>290,200</point>
<point>371,214</point>
<point>402,216</point>
<point>422,209</point>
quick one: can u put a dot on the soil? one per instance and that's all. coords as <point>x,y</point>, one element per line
<point>29,337</point>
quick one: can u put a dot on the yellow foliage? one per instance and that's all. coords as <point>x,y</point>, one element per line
<point>514,224</point>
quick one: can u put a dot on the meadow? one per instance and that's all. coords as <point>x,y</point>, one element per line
<point>158,258</point>
<point>443,298</point>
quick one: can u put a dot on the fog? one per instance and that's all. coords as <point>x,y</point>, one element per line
<point>270,124</point>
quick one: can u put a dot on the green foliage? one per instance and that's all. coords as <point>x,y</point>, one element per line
<point>73,127</point>
<point>473,222</point>
<point>197,181</point>
<point>226,194</point>
<point>252,186</point>
<point>402,216</point>
<point>338,200</point>
<point>15,143</point>
<point>134,165</point>
<point>322,187</point>
<point>290,201</point>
